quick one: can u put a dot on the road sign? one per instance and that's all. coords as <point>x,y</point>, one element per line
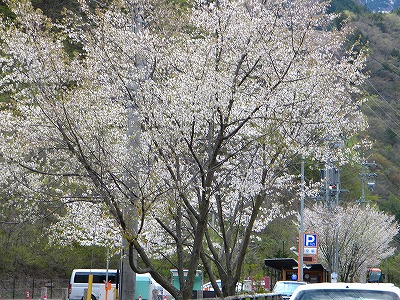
<point>310,240</point>
<point>310,253</point>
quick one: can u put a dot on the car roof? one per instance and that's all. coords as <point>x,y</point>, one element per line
<point>288,282</point>
<point>292,281</point>
<point>343,285</point>
<point>94,270</point>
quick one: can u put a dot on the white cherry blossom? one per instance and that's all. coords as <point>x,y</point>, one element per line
<point>224,107</point>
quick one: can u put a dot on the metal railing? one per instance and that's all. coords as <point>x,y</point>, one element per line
<point>32,288</point>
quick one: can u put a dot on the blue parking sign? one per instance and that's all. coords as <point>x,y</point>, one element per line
<point>310,240</point>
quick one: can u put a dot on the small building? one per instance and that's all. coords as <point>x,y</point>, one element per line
<point>287,269</point>
<point>144,286</point>
<point>198,280</point>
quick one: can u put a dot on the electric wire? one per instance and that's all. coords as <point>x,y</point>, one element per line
<point>383,98</point>
<point>379,94</point>
<point>383,121</point>
<point>383,110</point>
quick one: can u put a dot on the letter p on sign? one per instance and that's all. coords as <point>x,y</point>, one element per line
<point>310,240</point>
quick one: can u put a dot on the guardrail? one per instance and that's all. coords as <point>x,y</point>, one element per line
<point>64,296</point>
<point>266,296</point>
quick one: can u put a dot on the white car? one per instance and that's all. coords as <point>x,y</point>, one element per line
<point>80,280</point>
<point>347,291</point>
<point>208,286</point>
<point>285,288</point>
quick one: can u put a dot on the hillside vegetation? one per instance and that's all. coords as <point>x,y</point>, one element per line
<point>381,32</point>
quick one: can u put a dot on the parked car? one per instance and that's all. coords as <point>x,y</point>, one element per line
<point>80,279</point>
<point>347,291</point>
<point>79,282</point>
<point>208,286</point>
<point>286,288</point>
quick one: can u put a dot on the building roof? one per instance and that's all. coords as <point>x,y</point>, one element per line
<point>289,263</point>
<point>280,263</point>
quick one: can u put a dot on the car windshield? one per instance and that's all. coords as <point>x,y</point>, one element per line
<point>346,295</point>
<point>286,287</point>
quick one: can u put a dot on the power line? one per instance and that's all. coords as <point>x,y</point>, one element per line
<point>384,122</point>
<point>383,110</point>
<point>392,70</point>
<point>386,101</point>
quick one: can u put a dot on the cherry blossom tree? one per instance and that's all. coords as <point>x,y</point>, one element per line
<point>361,236</point>
<point>222,108</point>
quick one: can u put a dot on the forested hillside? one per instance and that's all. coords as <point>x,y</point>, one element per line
<point>25,250</point>
<point>381,33</point>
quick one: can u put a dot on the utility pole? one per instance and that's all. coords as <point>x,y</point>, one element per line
<point>128,280</point>
<point>128,277</point>
<point>332,188</point>
<point>371,185</point>
<point>370,182</point>
<point>300,267</point>
<point>335,267</point>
